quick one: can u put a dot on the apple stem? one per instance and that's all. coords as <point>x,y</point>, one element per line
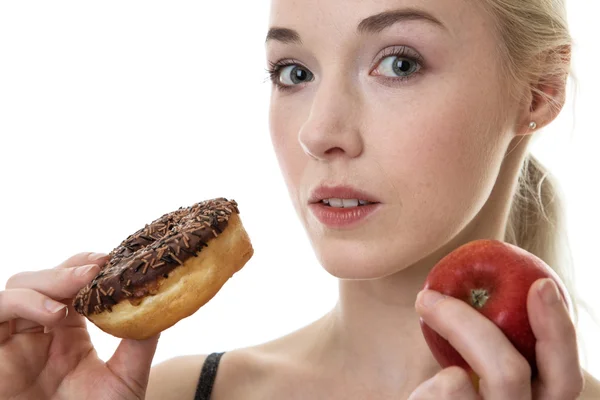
<point>479,297</point>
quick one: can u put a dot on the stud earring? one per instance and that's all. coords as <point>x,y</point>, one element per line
<point>532,125</point>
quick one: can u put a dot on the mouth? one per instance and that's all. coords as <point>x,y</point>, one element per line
<point>341,197</point>
<point>342,207</point>
<point>345,203</point>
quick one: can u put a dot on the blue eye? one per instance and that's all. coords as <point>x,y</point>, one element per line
<point>293,75</point>
<point>394,66</point>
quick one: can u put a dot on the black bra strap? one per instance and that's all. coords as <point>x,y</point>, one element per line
<point>207,376</point>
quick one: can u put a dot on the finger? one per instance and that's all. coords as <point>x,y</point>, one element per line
<point>557,356</point>
<point>31,305</point>
<point>132,362</point>
<point>59,284</point>
<point>72,320</point>
<point>504,373</point>
<point>449,384</point>
<point>21,325</point>
<point>82,259</point>
<point>5,330</point>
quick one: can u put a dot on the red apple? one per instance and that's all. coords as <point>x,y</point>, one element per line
<point>493,277</point>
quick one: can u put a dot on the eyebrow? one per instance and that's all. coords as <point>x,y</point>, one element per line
<point>373,24</point>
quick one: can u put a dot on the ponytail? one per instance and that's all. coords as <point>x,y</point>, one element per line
<point>537,221</point>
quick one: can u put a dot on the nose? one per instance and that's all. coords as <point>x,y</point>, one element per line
<point>332,128</point>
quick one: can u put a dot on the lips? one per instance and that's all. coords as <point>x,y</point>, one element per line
<point>346,194</point>
<point>343,207</point>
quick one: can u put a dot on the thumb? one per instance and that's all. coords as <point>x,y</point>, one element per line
<point>132,362</point>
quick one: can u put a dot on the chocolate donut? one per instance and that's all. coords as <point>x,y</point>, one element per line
<point>167,270</point>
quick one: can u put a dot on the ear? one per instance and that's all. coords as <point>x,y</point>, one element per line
<point>546,97</point>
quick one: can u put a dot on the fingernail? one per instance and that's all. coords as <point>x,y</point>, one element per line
<point>81,271</point>
<point>429,297</point>
<point>549,292</point>
<point>54,306</point>
<point>46,329</point>
<point>96,256</point>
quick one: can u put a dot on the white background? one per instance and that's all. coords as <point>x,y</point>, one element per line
<point>113,112</point>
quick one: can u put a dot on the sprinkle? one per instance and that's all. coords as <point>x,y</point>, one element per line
<point>176,259</point>
<point>88,297</point>
<point>146,264</point>
<point>127,292</point>
<point>161,251</point>
<point>128,282</point>
<point>160,264</point>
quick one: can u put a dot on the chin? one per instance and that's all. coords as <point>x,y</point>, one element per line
<point>360,260</point>
<point>377,256</point>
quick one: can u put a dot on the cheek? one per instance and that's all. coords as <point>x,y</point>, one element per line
<point>440,158</point>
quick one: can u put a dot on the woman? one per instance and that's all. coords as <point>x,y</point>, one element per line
<point>423,108</point>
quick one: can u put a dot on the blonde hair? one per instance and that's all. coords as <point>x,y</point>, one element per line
<point>536,45</point>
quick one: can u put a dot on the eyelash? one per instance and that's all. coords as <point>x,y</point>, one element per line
<point>397,51</point>
<point>274,70</point>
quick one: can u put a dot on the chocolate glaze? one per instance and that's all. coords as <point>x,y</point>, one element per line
<point>143,259</point>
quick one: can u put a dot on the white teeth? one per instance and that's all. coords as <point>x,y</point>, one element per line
<point>339,203</point>
<point>350,203</point>
<point>344,203</point>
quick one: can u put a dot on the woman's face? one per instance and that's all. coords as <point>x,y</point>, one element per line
<point>378,97</point>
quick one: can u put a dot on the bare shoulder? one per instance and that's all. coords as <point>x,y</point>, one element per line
<point>240,372</point>
<point>247,373</point>
<point>591,390</point>
<point>175,378</point>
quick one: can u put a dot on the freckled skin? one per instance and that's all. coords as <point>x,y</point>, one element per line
<point>440,148</point>
<point>430,148</point>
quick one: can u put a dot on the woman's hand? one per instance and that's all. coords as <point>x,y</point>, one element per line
<point>62,364</point>
<point>504,373</point>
